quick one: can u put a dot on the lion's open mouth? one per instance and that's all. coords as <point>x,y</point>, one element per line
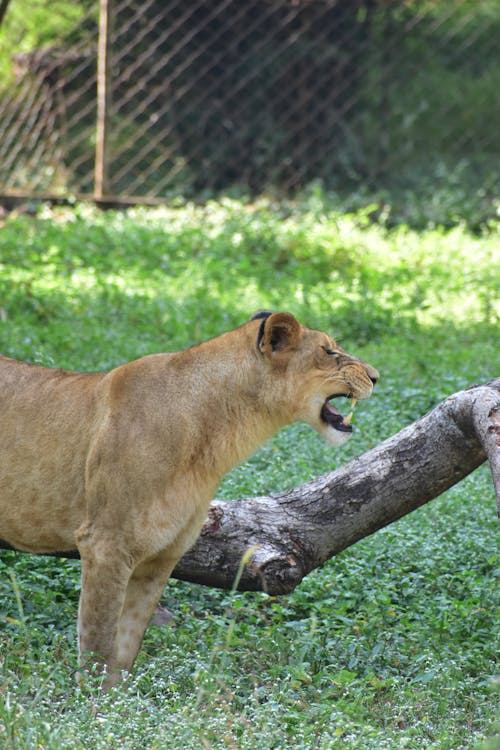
<point>334,418</point>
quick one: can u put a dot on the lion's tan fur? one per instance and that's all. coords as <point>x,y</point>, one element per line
<point>123,465</point>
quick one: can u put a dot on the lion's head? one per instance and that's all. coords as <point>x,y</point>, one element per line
<point>311,370</point>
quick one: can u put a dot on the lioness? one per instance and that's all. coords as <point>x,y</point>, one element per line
<point>122,465</point>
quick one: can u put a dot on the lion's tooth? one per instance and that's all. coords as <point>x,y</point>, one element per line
<point>354,401</point>
<point>347,420</point>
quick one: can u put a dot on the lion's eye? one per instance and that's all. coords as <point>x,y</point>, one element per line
<point>329,351</point>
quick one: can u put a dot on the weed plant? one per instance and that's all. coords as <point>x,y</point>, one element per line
<point>390,645</point>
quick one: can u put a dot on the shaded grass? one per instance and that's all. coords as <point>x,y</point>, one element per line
<point>391,644</point>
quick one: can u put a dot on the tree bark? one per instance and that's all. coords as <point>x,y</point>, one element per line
<point>284,536</point>
<point>290,533</point>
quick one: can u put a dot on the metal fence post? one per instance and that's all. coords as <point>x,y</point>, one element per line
<point>101,171</point>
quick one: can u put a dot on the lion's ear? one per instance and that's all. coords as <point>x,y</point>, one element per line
<point>280,332</point>
<point>261,314</point>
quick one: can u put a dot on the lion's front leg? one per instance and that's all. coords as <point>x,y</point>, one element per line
<point>144,590</point>
<point>104,584</point>
<point>116,605</point>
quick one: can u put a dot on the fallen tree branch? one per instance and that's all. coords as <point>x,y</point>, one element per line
<point>298,530</point>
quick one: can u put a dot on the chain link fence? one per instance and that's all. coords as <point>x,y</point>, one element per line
<point>146,101</point>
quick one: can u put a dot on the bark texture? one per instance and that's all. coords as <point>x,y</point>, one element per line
<point>295,531</point>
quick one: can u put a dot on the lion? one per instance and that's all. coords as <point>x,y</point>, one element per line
<point>122,465</point>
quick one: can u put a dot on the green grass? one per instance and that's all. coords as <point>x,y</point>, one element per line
<point>390,645</point>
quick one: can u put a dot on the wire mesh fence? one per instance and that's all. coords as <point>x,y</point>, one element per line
<point>160,98</point>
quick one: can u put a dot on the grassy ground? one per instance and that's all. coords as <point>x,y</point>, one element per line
<point>392,644</point>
